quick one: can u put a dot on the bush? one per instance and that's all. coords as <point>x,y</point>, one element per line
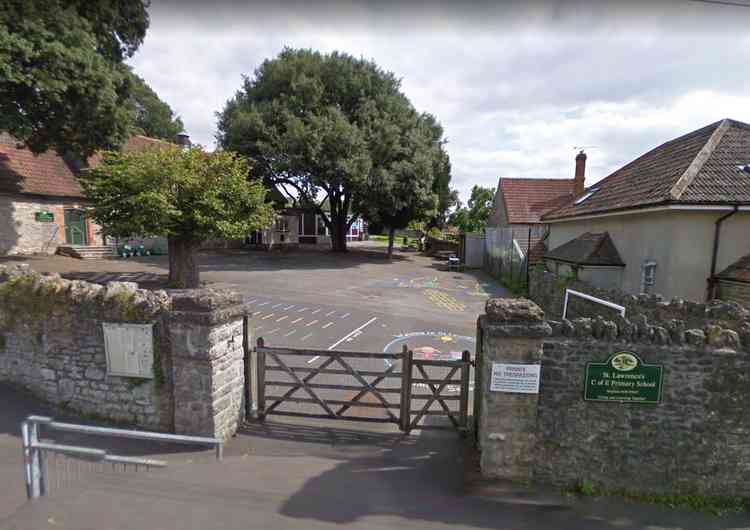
<point>435,233</point>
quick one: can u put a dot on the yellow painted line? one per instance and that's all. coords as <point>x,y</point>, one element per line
<point>311,323</point>
<point>328,325</point>
<point>295,321</point>
<point>282,318</point>
<point>267,316</point>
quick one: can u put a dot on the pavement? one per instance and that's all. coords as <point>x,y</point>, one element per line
<point>304,475</point>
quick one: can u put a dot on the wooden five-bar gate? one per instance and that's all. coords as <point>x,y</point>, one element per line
<point>374,387</point>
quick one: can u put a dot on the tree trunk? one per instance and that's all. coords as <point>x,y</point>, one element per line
<point>391,237</point>
<point>183,268</point>
<point>338,234</point>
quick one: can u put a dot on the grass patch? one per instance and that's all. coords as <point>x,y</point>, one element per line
<point>715,505</point>
<point>397,242</point>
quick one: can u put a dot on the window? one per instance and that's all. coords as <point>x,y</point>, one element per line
<point>282,224</point>
<point>648,276</point>
<point>586,195</point>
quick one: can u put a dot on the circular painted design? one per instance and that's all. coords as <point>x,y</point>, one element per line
<point>432,345</point>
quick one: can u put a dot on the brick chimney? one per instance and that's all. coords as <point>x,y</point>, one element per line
<point>580,177</point>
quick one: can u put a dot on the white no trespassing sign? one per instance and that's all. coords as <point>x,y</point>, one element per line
<point>515,378</point>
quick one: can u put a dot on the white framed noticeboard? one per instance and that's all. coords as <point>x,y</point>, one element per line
<point>129,349</point>
<point>515,378</point>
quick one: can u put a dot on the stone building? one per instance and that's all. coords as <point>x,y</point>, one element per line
<point>42,204</point>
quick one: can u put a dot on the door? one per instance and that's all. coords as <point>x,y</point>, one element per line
<point>75,227</point>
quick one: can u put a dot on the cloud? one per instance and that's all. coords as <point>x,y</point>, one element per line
<point>516,85</point>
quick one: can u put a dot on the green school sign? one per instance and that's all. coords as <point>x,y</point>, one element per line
<point>623,378</point>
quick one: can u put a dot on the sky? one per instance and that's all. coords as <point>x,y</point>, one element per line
<point>519,87</point>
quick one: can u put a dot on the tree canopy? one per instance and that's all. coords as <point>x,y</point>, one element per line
<point>474,217</point>
<point>186,195</point>
<point>63,84</point>
<point>330,128</point>
<point>150,115</point>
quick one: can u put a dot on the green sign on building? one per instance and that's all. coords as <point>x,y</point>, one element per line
<point>45,217</point>
<point>623,378</point>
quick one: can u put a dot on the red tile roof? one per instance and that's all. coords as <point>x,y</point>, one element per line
<point>700,167</point>
<point>49,173</point>
<point>527,199</point>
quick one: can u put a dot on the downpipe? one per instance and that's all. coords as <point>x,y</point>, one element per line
<point>711,288</point>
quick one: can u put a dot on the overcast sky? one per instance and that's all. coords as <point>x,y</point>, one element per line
<point>516,85</point>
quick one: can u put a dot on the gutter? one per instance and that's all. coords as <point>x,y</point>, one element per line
<point>711,290</point>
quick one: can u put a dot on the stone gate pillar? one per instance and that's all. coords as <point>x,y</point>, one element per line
<point>205,336</point>
<point>510,337</point>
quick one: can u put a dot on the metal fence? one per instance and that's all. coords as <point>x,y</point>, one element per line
<point>507,252</point>
<point>49,465</point>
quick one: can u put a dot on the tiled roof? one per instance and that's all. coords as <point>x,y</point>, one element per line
<point>698,168</point>
<point>527,199</point>
<point>588,249</point>
<point>45,174</point>
<point>739,270</point>
<point>49,173</point>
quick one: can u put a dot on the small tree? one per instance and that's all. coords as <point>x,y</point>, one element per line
<point>186,195</point>
<point>474,217</point>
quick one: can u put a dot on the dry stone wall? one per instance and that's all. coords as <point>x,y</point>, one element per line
<point>52,344</point>
<point>694,441</point>
<point>548,291</point>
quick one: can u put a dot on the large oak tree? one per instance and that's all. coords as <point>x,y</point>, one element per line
<point>313,124</point>
<point>63,84</point>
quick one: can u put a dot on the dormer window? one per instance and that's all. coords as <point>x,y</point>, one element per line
<point>586,195</point>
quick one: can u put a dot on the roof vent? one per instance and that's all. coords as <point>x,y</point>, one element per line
<point>586,195</point>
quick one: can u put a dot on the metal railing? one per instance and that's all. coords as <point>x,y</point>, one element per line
<point>35,450</point>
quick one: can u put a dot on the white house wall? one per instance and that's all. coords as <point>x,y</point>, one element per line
<point>679,241</point>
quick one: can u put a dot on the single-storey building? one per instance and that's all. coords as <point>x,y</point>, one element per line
<point>676,216</point>
<point>42,203</point>
<point>520,204</point>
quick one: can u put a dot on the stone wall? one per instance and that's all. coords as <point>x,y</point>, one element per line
<point>52,343</point>
<point>695,441</point>
<point>21,233</point>
<point>205,332</point>
<point>548,291</point>
<point>734,291</point>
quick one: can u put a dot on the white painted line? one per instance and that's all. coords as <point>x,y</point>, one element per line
<point>311,323</point>
<point>256,313</point>
<point>306,336</point>
<point>264,303</point>
<point>303,309</point>
<point>358,330</point>
<point>295,321</point>
<point>313,359</point>
<point>290,333</point>
<point>329,314</point>
<point>269,315</point>
<point>287,308</point>
<point>252,301</point>
<point>328,325</point>
<point>274,330</point>
<point>282,318</point>
<point>345,316</point>
<point>275,306</point>
<point>316,311</point>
